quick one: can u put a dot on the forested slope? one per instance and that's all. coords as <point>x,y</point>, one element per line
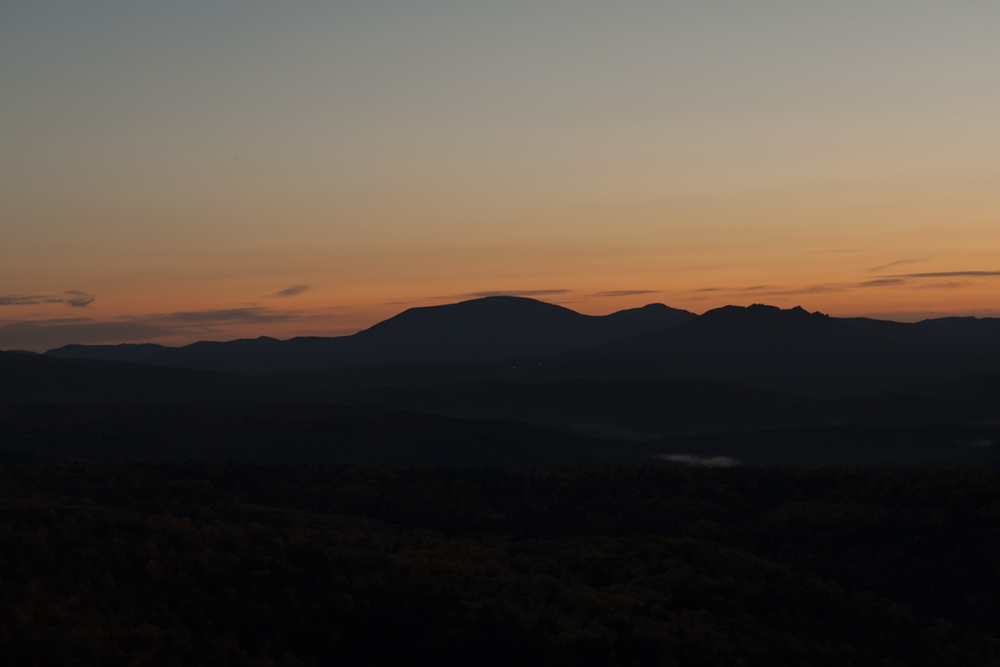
<point>115,563</point>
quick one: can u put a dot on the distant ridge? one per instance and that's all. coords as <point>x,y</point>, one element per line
<point>757,384</point>
<point>523,340</point>
<point>31,379</point>
<point>478,331</point>
<point>764,343</point>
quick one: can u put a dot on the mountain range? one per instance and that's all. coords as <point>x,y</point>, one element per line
<point>483,330</point>
<point>764,343</point>
<point>524,340</point>
<point>753,384</point>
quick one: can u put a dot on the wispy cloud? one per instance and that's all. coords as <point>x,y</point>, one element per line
<point>821,288</point>
<point>229,316</point>
<point>951,274</point>
<point>809,289</point>
<point>294,290</point>
<point>757,288</point>
<point>909,280</point>
<point>72,298</point>
<point>76,299</point>
<point>626,292</point>
<point>530,292</point>
<point>10,300</point>
<point>54,332</point>
<point>898,262</point>
<point>882,282</point>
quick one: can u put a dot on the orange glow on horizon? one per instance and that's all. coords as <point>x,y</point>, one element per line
<point>180,167</point>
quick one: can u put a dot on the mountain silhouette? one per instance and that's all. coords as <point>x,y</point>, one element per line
<point>471,332</point>
<point>950,422</point>
<point>524,340</point>
<point>792,348</point>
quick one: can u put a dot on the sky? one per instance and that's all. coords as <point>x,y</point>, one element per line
<point>179,171</point>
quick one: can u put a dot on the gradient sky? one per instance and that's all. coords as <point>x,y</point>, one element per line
<point>174,171</point>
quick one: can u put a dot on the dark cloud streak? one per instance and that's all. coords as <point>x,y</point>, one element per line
<point>900,262</point>
<point>882,282</point>
<point>294,290</point>
<point>72,298</point>
<point>812,289</point>
<point>55,332</point>
<point>625,292</point>
<point>240,315</point>
<point>951,274</point>
<point>823,288</point>
<point>26,300</point>
<point>529,293</point>
<point>79,301</point>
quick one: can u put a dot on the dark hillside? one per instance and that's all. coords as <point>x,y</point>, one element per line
<point>40,380</point>
<point>477,331</point>
<point>378,436</point>
<point>523,340</point>
<point>624,410</point>
<point>297,434</point>
<point>501,328</point>
<point>254,565</point>
<point>795,349</point>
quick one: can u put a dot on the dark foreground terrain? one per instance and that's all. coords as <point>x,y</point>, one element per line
<point>128,563</point>
<point>302,434</point>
